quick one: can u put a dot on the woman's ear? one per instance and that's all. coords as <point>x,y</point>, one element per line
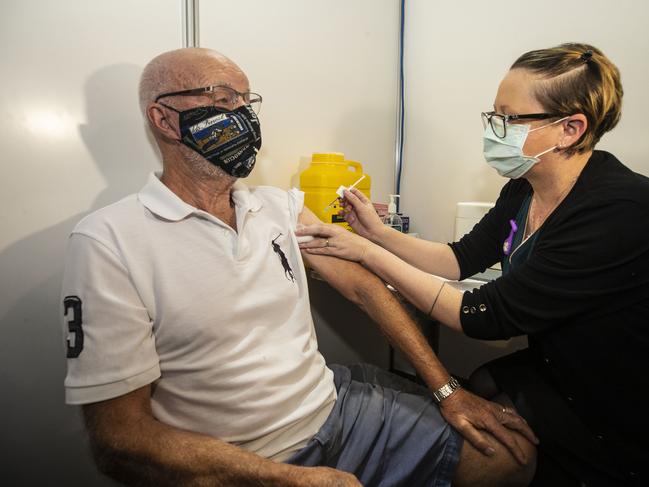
<point>573,128</point>
<point>160,122</point>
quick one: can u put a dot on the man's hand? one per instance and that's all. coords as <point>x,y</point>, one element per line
<point>328,477</point>
<point>132,446</point>
<point>469,414</point>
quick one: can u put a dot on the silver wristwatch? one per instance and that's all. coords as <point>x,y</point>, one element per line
<point>446,390</point>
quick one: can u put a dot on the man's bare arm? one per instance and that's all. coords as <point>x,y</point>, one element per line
<point>371,294</point>
<point>131,446</point>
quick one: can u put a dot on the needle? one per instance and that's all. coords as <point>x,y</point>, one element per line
<point>340,192</point>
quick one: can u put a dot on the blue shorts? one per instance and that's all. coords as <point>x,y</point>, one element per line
<point>384,429</point>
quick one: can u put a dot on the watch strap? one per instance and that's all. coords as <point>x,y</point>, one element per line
<point>446,390</point>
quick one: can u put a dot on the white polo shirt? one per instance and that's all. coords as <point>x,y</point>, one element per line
<point>217,321</point>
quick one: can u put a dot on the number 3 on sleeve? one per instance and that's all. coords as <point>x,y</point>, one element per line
<point>75,333</point>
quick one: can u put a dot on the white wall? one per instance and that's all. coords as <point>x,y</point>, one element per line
<point>327,70</point>
<point>72,141</point>
<point>456,55</point>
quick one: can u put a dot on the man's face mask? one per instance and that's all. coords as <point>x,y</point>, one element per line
<point>228,139</point>
<point>505,155</point>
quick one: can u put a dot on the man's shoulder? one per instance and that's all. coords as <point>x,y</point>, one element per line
<point>269,193</point>
<point>279,198</point>
<point>122,213</point>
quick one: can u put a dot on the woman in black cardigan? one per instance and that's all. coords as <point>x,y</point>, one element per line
<point>571,229</point>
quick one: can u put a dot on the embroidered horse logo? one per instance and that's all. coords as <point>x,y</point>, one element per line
<point>288,272</point>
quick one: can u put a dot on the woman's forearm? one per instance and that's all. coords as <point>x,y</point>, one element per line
<point>431,257</point>
<point>428,293</point>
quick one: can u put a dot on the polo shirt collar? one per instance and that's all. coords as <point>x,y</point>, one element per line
<point>244,198</point>
<point>160,200</point>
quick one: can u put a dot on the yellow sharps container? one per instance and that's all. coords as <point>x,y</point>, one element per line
<point>328,171</point>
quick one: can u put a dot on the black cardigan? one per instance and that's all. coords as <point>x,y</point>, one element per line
<point>582,297</point>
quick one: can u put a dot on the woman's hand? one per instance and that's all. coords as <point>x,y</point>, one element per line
<point>334,240</point>
<point>359,212</point>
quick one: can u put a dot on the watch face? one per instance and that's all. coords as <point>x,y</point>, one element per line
<point>446,390</point>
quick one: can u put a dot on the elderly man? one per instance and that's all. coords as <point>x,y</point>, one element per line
<point>190,340</point>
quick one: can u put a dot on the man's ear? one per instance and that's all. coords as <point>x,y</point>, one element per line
<point>573,128</point>
<point>160,121</point>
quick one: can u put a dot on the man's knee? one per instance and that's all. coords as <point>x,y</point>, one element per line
<point>475,469</point>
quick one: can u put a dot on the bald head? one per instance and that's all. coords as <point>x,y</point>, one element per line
<point>184,69</point>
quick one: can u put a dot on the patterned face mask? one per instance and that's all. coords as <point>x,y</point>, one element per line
<point>228,139</point>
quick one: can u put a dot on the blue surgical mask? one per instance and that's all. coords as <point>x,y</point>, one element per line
<point>506,155</point>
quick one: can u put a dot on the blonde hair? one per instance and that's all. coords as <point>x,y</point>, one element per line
<point>577,78</point>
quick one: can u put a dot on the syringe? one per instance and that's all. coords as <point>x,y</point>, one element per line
<point>341,192</point>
